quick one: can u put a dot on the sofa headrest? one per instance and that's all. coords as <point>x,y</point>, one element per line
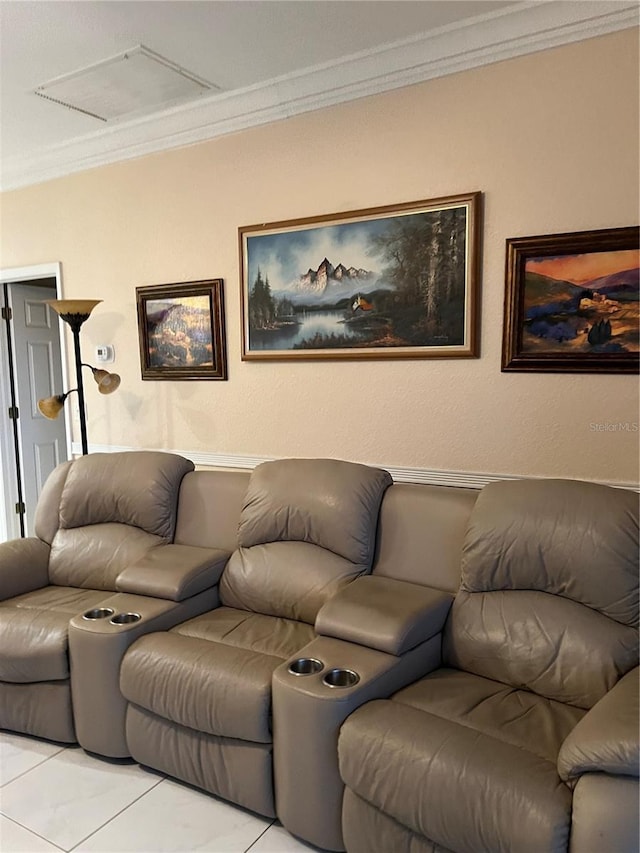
<point>565,537</point>
<point>138,488</point>
<point>325,502</point>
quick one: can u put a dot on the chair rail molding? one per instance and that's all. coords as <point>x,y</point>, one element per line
<point>400,474</point>
<point>525,27</point>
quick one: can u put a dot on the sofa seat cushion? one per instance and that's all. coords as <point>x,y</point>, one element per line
<point>368,830</point>
<point>232,769</point>
<point>42,708</point>
<point>213,673</point>
<point>254,632</point>
<point>517,717</point>
<point>34,630</point>
<point>461,788</point>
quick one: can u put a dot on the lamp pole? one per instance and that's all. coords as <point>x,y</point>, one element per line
<point>74,312</point>
<point>76,322</point>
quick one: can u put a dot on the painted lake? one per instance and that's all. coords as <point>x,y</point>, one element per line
<point>307,325</point>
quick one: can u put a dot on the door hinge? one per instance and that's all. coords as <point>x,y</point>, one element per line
<point>20,509</point>
<point>7,313</point>
<point>14,414</point>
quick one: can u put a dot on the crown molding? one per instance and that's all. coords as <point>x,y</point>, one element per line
<point>523,28</point>
<point>421,476</point>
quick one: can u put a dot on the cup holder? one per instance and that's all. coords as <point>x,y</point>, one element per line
<point>340,678</point>
<point>98,613</point>
<point>305,666</point>
<point>125,618</point>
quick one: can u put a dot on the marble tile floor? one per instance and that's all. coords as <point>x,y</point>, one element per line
<point>58,798</point>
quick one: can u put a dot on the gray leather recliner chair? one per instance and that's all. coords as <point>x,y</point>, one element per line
<point>200,694</point>
<point>526,740</point>
<point>103,526</point>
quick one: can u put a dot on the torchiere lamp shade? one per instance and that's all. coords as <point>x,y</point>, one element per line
<point>73,306</point>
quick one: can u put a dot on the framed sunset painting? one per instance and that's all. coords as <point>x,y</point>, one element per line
<point>571,302</point>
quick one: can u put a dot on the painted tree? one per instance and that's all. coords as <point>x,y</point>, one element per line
<point>261,306</point>
<point>284,308</point>
<point>424,256</point>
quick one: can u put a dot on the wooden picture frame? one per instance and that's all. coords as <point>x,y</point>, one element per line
<point>400,281</point>
<point>571,302</point>
<point>181,330</point>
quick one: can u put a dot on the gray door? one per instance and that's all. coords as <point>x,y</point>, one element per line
<point>38,373</point>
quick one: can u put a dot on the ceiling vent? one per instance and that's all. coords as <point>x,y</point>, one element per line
<point>134,82</point>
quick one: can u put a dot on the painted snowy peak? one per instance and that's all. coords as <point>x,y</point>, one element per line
<point>330,280</point>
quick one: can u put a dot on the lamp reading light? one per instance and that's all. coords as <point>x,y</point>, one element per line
<point>107,382</point>
<point>74,312</point>
<point>51,407</point>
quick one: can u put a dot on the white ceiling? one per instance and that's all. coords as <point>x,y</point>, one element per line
<point>271,59</point>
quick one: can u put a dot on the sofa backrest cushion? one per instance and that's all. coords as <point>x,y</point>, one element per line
<point>209,509</point>
<point>326,502</point>
<point>420,534</point>
<point>291,580</point>
<point>329,506</point>
<point>92,557</point>
<point>113,508</point>
<point>138,488</point>
<point>564,537</point>
<point>549,592</point>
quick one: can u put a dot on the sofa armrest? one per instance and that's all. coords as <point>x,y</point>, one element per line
<point>24,566</point>
<point>606,738</point>
<point>383,613</point>
<point>604,814</point>
<point>174,572</point>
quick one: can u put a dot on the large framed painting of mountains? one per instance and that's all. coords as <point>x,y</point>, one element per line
<point>571,302</point>
<point>388,282</point>
<point>181,330</point>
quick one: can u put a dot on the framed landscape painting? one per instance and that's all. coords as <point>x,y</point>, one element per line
<point>388,282</point>
<point>181,330</point>
<point>571,302</point>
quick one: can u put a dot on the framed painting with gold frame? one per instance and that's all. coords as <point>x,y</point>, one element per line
<point>400,281</point>
<point>181,330</point>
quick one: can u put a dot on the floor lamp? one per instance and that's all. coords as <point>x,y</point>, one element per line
<point>74,312</point>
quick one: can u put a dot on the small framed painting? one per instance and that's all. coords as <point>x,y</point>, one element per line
<point>389,282</point>
<point>181,330</point>
<point>571,302</point>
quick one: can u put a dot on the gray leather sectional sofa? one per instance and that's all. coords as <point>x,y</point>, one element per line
<point>386,668</point>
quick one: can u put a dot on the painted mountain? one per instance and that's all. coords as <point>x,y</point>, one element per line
<point>329,283</point>
<point>625,281</point>
<point>542,290</point>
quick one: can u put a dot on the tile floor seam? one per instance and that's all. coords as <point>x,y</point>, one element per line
<point>113,817</point>
<point>233,834</point>
<point>266,829</point>
<point>32,832</point>
<point>33,767</point>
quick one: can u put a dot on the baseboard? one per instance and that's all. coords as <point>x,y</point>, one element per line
<point>424,476</point>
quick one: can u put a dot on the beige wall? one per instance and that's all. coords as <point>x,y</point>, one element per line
<point>552,141</point>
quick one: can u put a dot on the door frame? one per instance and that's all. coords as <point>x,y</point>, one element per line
<point>9,527</point>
